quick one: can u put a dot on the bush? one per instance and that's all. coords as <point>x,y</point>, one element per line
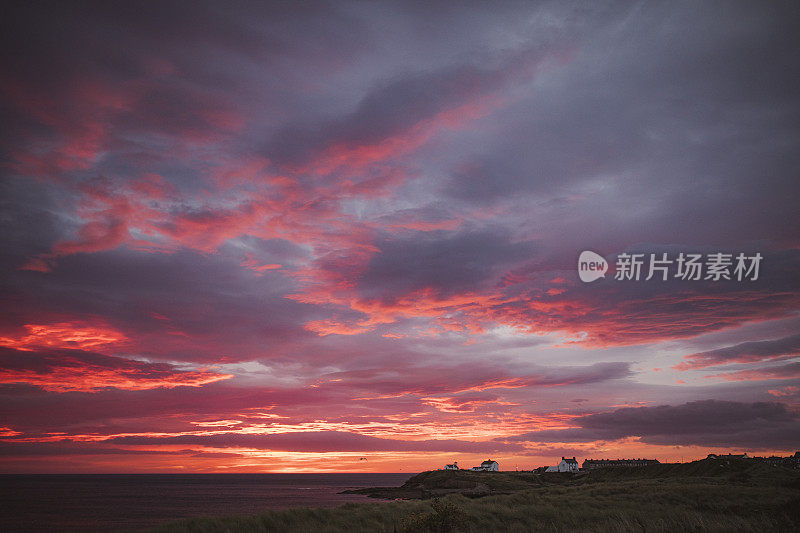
<point>446,517</point>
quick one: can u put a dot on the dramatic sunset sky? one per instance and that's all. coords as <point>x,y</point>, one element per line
<point>344,236</point>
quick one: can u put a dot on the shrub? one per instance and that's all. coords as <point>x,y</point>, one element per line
<point>446,517</point>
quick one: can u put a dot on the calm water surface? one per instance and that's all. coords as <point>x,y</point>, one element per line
<point>128,501</point>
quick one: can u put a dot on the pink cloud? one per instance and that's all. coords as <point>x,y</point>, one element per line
<point>789,390</point>
<point>76,370</point>
<point>74,334</point>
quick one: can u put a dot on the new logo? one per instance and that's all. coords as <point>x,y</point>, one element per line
<point>591,266</point>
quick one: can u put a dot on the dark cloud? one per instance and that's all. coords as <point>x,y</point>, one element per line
<point>431,379</point>
<point>448,264</point>
<point>11,449</point>
<point>787,371</point>
<point>31,409</point>
<point>746,352</point>
<point>394,108</point>
<point>209,296</point>
<point>685,128</point>
<point>760,425</point>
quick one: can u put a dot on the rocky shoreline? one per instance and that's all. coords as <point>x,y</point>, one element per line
<point>437,483</point>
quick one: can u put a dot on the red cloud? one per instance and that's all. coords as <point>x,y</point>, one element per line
<point>463,404</point>
<point>618,320</point>
<point>785,391</point>
<point>317,441</point>
<point>332,327</point>
<point>280,201</point>
<point>76,370</point>
<point>64,335</point>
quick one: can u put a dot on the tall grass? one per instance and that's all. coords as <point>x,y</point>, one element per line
<point>652,505</point>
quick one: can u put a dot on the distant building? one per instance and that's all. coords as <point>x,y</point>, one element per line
<point>566,465</point>
<point>792,461</point>
<point>591,464</point>
<point>487,466</point>
<point>453,466</point>
<point>728,456</point>
<point>773,460</point>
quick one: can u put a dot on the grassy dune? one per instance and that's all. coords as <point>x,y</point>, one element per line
<point>708,497</point>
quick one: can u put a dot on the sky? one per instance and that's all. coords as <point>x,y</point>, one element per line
<point>334,237</point>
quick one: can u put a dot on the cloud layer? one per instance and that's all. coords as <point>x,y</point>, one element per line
<point>700,423</point>
<point>348,228</point>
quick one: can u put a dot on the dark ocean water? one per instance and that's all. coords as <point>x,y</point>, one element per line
<point>127,501</point>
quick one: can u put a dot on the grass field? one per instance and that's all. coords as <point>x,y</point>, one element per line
<point>709,497</point>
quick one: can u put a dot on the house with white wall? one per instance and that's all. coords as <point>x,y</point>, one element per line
<point>566,465</point>
<point>487,466</point>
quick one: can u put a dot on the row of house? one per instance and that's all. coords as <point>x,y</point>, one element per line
<point>571,465</point>
<point>566,465</point>
<point>591,464</point>
<point>486,466</point>
<point>791,461</point>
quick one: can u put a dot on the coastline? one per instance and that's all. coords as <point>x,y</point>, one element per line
<point>708,495</point>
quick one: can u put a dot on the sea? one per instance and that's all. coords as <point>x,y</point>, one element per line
<point>113,502</point>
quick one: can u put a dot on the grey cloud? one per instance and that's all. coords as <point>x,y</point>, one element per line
<point>786,371</point>
<point>759,425</point>
<point>686,114</point>
<point>450,263</point>
<point>746,352</point>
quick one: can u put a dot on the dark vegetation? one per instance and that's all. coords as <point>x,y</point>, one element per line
<point>709,495</point>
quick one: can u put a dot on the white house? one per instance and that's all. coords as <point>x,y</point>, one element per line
<point>487,466</point>
<point>566,465</point>
<point>453,466</point>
